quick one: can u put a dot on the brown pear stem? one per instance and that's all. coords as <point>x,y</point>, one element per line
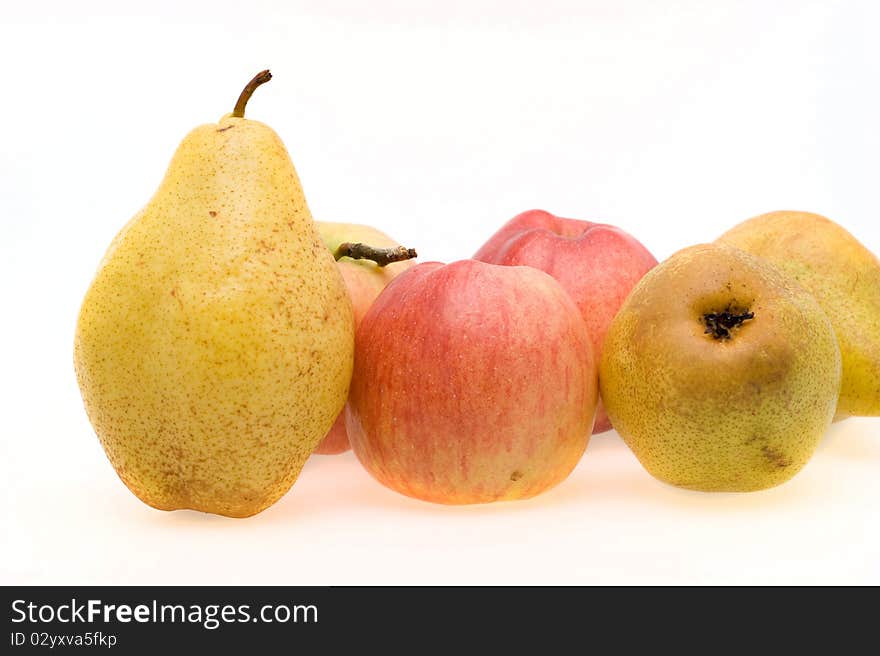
<point>260,78</point>
<point>381,256</point>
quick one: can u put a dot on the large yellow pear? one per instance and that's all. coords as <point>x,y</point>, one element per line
<point>843,276</point>
<point>214,347</point>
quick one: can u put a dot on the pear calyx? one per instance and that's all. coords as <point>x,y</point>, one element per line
<point>719,324</point>
<point>381,256</point>
<point>260,78</point>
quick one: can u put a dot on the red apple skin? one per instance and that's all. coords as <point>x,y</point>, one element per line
<point>472,383</point>
<point>596,263</point>
<point>365,281</point>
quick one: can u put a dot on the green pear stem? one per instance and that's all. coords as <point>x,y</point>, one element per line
<point>381,256</point>
<point>260,78</point>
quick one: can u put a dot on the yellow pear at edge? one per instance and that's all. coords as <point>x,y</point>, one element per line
<point>843,276</point>
<point>719,372</point>
<point>215,345</point>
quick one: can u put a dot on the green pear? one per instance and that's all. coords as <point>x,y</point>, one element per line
<point>719,372</point>
<point>214,347</point>
<point>843,275</point>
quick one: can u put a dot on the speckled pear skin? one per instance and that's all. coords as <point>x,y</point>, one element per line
<point>214,347</point>
<point>714,414</point>
<point>843,275</point>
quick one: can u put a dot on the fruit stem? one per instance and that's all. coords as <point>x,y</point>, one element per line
<point>719,324</point>
<point>381,256</point>
<point>260,78</point>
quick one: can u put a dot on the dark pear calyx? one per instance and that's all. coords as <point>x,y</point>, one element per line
<point>719,324</point>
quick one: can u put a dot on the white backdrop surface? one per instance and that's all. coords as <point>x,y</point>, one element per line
<point>435,122</point>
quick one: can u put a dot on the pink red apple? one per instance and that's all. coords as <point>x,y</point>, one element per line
<point>472,383</point>
<point>597,264</point>
<point>364,280</point>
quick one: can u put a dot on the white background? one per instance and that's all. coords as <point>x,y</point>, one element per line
<point>435,122</point>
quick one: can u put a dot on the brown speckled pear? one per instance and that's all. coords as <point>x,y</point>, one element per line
<point>843,275</point>
<point>719,372</point>
<point>214,347</point>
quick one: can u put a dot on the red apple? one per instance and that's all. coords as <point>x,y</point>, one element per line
<point>472,383</point>
<point>597,264</point>
<point>364,280</point>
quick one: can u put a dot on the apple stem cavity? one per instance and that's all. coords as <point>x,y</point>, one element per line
<point>260,78</point>
<point>381,256</point>
<point>719,324</point>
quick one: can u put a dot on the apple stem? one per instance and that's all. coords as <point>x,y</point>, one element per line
<point>719,324</point>
<point>381,256</point>
<point>260,78</point>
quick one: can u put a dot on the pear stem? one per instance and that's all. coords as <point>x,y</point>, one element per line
<point>260,78</point>
<point>381,256</point>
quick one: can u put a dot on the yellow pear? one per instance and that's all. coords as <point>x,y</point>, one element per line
<point>844,277</point>
<point>365,280</point>
<point>719,372</point>
<point>214,347</point>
